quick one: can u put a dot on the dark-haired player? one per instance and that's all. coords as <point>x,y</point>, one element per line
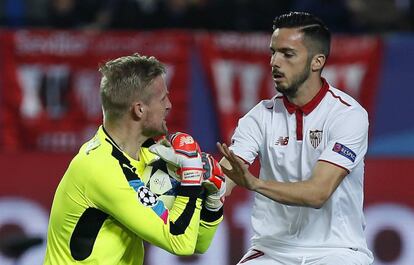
<point>311,139</point>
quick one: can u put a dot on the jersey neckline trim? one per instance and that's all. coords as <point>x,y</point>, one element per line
<point>311,105</point>
<point>110,138</point>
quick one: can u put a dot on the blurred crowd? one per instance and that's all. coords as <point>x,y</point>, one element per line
<point>241,15</point>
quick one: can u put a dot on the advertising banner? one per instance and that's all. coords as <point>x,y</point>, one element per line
<point>50,95</point>
<point>240,74</point>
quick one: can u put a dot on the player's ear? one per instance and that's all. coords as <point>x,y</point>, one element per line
<point>318,62</point>
<point>138,109</point>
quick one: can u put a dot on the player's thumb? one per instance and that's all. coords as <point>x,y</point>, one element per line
<point>166,153</point>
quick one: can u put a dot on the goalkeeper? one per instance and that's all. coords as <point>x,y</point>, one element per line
<point>102,212</point>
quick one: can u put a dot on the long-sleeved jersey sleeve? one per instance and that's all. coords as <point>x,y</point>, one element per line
<point>209,223</point>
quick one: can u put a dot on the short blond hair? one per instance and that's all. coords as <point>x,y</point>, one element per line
<point>124,80</point>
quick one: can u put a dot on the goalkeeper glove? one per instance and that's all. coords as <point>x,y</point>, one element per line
<point>213,182</point>
<point>182,151</point>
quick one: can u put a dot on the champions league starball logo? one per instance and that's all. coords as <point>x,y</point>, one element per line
<point>146,197</point>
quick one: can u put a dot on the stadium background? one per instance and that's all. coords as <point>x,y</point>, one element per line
<point>217,57</point>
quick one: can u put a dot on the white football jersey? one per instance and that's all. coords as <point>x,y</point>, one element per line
<point>289,141</point>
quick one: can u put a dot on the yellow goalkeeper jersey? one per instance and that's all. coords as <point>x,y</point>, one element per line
<point>102,211</point>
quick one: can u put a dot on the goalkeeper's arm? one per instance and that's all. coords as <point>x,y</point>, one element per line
<point>212,210</point>
<point>209,222</point>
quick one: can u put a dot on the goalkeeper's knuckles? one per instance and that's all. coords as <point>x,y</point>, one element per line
<point>182,151</point>
<point>213,182</point>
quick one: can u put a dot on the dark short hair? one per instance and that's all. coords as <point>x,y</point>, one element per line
<point>316,33</point>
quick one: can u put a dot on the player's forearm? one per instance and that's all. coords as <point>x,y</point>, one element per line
<point>229,186</point>
<point>229,183</point>
<point>208,225</point>
<point>175,231</point>
<point>184,222</point>
<point>304,193</point>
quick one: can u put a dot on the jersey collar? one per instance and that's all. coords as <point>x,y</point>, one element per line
<point>107,136</point>
<point>311,105</point>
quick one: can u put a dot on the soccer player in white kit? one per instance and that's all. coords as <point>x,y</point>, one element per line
<point>311,139</point>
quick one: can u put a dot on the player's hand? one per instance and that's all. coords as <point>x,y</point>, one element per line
<point>239,171</point>
<point>213,178</point>
<point>214,183</point>
<point>182,151</point>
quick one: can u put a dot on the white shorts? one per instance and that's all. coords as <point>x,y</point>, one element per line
<point>343,257</point>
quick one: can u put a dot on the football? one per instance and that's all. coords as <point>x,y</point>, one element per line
<point>162,180</point>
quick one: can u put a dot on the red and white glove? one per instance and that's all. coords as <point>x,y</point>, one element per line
<point>214,182</point>
<point>183,152</point>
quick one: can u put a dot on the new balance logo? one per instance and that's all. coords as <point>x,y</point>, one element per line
<point>186,140</point>
<point>282,140</point>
